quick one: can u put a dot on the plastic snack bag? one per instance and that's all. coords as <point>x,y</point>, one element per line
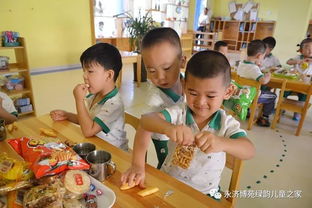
<point>47,156</point>
<point>241,99</point>
<point>14,174</point>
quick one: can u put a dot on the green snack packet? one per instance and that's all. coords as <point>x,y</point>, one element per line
<point>241,99</point>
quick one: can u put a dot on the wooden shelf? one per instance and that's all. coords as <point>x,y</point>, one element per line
<point>17,92</point>
<point>154,10</point>
<point>12,70</point>
<point>15,47</point>
<point>26,113</point>
<point>236,32</point>
<point>177,5</point>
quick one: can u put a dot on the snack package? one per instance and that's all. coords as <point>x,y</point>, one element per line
<point>241,99</point>
<point>76,182</point>
<point>14,174</point>
<point>47,156</point>
<point>44,196</point>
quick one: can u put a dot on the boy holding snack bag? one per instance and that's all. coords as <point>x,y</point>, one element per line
<point>200,133</point>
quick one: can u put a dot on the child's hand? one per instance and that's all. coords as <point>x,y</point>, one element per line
<point>208,142</point>
<point>180,134</point>
<point>58,115</point>
<point>309,60</point>
<point>80,91</point>
<point>134,175</point>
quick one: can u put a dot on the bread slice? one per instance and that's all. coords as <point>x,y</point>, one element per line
<point>148,191</point>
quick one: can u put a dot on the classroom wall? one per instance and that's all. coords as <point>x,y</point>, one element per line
<point>291,26</point>
<point>291,21</point>
<point>268,8</point>
<point>56,32</point>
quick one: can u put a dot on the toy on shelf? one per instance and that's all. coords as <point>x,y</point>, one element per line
<point>10,39</point>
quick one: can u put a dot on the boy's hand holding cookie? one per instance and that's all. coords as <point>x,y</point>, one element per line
<point>80,91</point>
<point>134,176</point>
<point>180,134</point>
<point>208,142</point>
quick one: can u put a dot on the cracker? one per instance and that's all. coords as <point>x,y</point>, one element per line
<point>183,156</point>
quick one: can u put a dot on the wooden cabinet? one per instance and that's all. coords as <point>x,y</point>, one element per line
<point>187,44</point>
<point>19,67</point>
<point>239,33</point>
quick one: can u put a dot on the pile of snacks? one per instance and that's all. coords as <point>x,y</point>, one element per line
<point>47,156</point>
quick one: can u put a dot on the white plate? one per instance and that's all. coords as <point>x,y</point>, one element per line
<point>108,197</point>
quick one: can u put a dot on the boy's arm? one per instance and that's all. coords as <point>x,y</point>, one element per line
<point>240,147</point>
<point>293,61</point>
<point>72,117</point>
<point>265,79</point>
<point>88,126</point>
<point>136,173</point>
<point>8,117</point>
<point>156,122</point>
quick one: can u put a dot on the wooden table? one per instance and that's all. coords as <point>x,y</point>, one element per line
<point>183,196</point>
<point>130,58</point>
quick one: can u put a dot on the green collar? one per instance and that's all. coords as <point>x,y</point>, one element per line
<point>248,62</point>
<point>270,54</point>
<point>169,92</point>
<point>107,97</point>
<point>301,57</point>
<point>214,123</point>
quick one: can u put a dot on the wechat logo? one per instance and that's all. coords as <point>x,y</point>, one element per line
<point>215,193</point>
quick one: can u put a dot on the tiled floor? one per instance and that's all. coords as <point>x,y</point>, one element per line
<point>281,165</point>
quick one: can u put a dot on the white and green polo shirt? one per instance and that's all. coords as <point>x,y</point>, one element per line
<point>307,71</point>
<point>7,104</point>
<point>205,170</point>
<point>159,99</point>
<point>270,61</point>
<point>109,114</point>
<point>249,70</point>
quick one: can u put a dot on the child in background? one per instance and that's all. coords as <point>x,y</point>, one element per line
<point>303,65</point>
<point>103,113</point>
<point>8,111</point>
<point>163,59</point>
<point>250,69</point>
<point>221,46</point>
<point>199,123</point>
<point>270,61</point>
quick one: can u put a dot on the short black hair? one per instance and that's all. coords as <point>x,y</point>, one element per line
<point>162,34</point>
<point>270,42</point>
<point>255,47</point>
<point>104,54</point>
<point>219,44</point>
<point>209,64</point>
<point>305,41</point>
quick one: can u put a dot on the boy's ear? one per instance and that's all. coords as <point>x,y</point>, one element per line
<point>183,62</point>
<point>110,74</point>
<point>229,91</point>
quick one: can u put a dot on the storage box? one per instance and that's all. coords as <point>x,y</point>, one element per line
<point>15,83</point>
<point>22,102</point>
<point>25,109</point>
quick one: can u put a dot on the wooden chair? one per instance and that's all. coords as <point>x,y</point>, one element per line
<point>293,105</point>
<point>132,120</point>
<point>204,41</point>
<point>235,165</point>
<point>254,105</point>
